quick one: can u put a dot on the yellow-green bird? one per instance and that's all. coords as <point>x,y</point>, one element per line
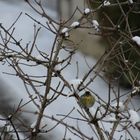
<point>87,100</point>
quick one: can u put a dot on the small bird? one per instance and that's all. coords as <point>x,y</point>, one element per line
<point>87,100</point>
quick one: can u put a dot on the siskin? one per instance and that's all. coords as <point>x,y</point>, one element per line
<point>87,100</point>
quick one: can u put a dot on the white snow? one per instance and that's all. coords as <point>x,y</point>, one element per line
<point>94,112</point>
<point>106,3</point>
<point>40,57</point>
<point>126,61</point>
<point>121,106</point>
<point>87,11</point>
<point>131,1</point>
<point>58,67</point>
<point>75,83</point>
<point>64,30</point>
<point>66,34</point>
<point>134,117</point>
<point>135,90</point>
<point>136,39</point>
<point>111,119</point>
<point>75,24</point>
<point>95,25</point>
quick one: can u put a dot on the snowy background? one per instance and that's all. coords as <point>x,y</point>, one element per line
<point>12,89</point>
